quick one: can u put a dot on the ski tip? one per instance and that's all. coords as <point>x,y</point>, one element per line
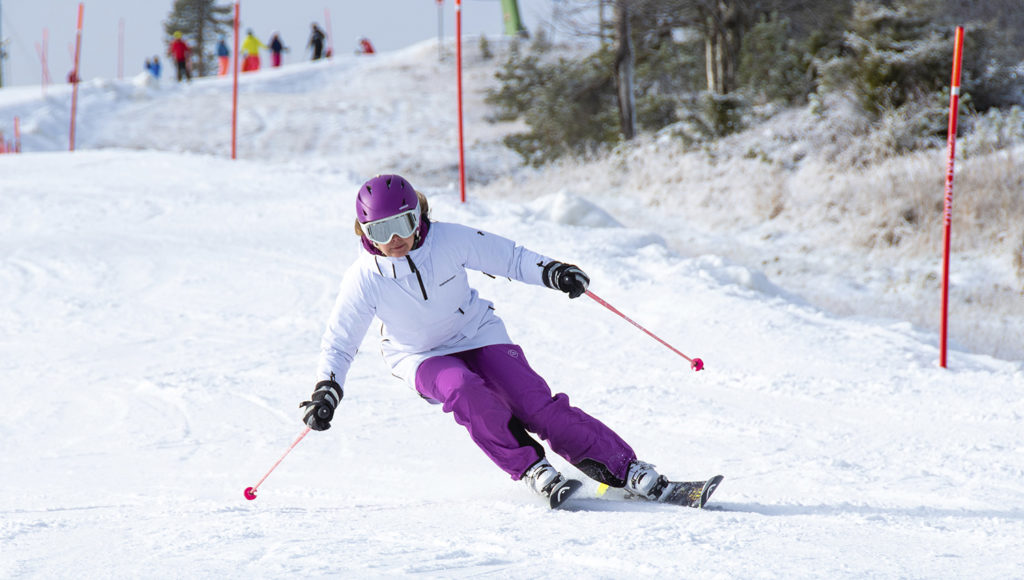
<point>709,488</point>
<point>564,492</point>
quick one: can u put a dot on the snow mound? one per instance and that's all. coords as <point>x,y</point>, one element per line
<point>571,210</point>
<point>724,273</point>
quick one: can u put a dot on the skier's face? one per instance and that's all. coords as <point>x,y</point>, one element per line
<point>397,247</point>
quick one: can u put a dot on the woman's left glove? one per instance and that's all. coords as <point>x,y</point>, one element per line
<point>320,407</point>
<point>567,278</point>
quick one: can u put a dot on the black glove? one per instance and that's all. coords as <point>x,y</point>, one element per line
<point>567,278</point>
<point>320,407</point>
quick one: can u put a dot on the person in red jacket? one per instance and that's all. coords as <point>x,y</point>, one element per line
<point>180,51</point>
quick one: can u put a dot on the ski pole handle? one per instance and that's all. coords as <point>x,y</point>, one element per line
<point>250,492</point>
<point>695,363</point>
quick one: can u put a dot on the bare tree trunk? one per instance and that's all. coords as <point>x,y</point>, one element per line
<point>624,70</point>
<point>713,59</point>
<point>200,47</point>
<point>723,35</point>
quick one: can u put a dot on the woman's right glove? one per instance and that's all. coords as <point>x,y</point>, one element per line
<point>321,404</point>
<point>567,278</point>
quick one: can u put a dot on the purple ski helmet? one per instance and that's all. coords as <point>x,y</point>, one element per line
<point>384,196</point>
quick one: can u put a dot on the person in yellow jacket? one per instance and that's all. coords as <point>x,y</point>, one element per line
<point>251,49</point>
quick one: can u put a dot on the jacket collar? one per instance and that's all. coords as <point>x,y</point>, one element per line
<point>401,267</point>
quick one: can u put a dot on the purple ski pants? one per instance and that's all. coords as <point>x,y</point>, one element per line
<point>497,397</point>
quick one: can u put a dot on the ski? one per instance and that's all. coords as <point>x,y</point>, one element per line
<point>563,491</point>
<point>683,493</point>
<point>691,493</point>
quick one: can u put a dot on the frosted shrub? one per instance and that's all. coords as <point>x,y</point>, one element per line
<point>485,48</point>
<point>901,130</point>
<point>1018,261</point>
<point>995,130</point>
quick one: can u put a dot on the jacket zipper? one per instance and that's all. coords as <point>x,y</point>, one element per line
<point>412,266</point>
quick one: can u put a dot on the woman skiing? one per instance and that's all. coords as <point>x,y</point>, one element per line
<point>439,335</point>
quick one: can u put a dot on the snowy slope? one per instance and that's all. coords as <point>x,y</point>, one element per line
<point>160,313</point>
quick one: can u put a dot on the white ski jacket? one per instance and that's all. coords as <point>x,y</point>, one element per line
<point>423,301</point>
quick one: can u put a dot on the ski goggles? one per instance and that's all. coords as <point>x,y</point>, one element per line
<point>402,225</point>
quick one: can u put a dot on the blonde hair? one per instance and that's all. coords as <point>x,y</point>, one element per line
<point>424,212</point>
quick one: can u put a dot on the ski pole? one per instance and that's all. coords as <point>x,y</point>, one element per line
<point>695,363</point>
<point>250,492</point>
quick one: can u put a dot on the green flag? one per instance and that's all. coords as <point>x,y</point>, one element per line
<point>510,14</point>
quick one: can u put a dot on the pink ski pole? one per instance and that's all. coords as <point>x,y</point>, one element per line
<point>695,363</point>
<point>250,492</point>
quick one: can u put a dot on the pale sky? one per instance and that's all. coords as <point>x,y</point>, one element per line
<point>389,24</point>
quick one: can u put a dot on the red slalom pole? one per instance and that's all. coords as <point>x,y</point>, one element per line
<point>120,49</point>
<point>234,89</point>
<point>250,492</point>
<point>458,66</point>
<point>330,37</point>
<point>695,363</point>
<point>440,30</point>
<point>76,77</point>
<point>954,100</point>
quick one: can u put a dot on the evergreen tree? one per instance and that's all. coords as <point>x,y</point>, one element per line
<point>773,65</point>
<point>200,23</point>
<point>896,54</point>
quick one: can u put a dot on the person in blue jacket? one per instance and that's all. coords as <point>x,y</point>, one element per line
<point>223,56</point>
<point>153,66</point>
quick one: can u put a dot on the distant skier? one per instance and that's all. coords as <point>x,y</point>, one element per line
<point>276,48</point>
<point>180,51</point>
<point>316,42</point>
<point>450,346</point>
<point>251,49</point>
<point>364,46</point>
<point>153,66</point>
<point>223,56</point>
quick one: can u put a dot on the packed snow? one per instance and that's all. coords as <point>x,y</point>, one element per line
<point>161,307</point>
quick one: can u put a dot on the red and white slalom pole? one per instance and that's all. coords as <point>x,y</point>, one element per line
<point>76,77</point>
<point>250,492</point>
<point>954,100</point>
<point>458,89</point>
<point>695,363</point>
<point>234,86</point>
